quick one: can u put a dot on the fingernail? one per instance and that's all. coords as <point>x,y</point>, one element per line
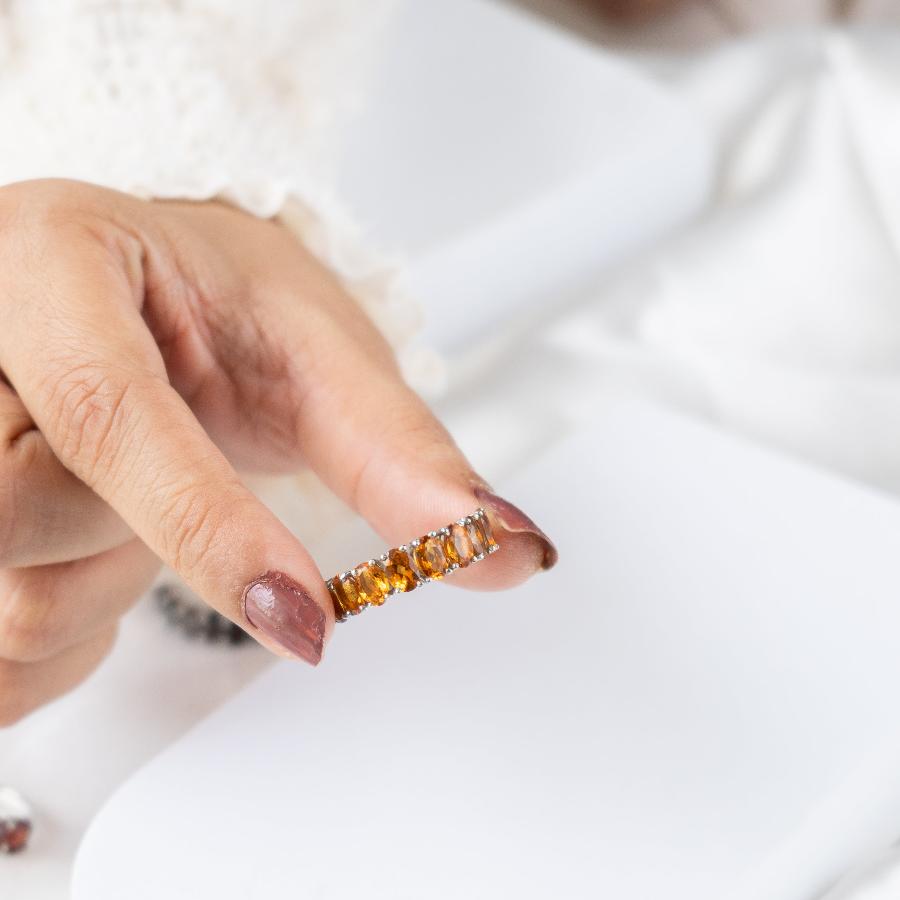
<point>513,519</point>
<point>282,610</point>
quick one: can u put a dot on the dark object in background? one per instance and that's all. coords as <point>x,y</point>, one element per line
<point>15,821</point>
<point>635,12</point>
<point>195,620</point>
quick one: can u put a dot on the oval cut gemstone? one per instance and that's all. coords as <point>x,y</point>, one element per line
<point>449,549</point>
<point>476,534</point>
<point>352,601</point>
<point>373,584</point>
<point>398,569</point>
<point>337,599</point>
<point>458,546</point>
<point>429,555</point>
<point>488,532</point>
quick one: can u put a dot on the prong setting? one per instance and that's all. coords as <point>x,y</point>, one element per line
<point>422,560</point>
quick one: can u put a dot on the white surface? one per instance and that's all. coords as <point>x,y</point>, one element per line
<point>68,757</point>
<point>510,160</point>
<point>692,695</point>
<point>878,878</point>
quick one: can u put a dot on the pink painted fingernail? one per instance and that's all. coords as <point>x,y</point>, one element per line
<point>282,610</point>
<point>513,519</point>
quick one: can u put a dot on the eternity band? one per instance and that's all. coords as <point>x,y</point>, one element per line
<point>403,569</point>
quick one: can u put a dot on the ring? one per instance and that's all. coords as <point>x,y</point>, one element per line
<point>427,558</point>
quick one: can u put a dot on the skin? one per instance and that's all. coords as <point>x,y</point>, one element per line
<point>149,352</point>
<point>635,11</point>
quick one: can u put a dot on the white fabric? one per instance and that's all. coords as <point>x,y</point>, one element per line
<point>201,99</point>
<point>195,99</point>
<point>779,314</point>
<point>875,879</point>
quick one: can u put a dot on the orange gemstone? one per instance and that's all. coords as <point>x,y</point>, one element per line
<point>476,534</point>
<point>373,584</point>
<point>429,555</point>
<point>488,532</point>
<point>352,601</point>
<point>458,546</point>
<point>449,549</point>
<point>398,569</point>
<point>337,599</point>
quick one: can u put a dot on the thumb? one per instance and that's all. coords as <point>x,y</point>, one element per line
<point>376,444</point>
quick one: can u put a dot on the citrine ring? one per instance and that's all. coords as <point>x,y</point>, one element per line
<point>428,558</point>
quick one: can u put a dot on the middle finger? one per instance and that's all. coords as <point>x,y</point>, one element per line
<point>46,609</point>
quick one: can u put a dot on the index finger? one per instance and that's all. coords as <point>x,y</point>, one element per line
<point>87,368</point>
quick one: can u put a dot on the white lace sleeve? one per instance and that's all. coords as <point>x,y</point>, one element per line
<point>195,99</point>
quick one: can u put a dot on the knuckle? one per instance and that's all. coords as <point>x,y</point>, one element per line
<point>46,201</point>
<point>41,193</point>
<point>51,216</point>
<point>22,644</point>
<point>86,406</point>
<point>192,521</point>
<point>32,213</point>
<point>28,632</point>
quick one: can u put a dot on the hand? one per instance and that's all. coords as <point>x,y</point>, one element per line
<point>149,349</point>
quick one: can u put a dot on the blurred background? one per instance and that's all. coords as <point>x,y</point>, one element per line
<point>684,25</point>
<point>695,204</point>
<point>759,285</point>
